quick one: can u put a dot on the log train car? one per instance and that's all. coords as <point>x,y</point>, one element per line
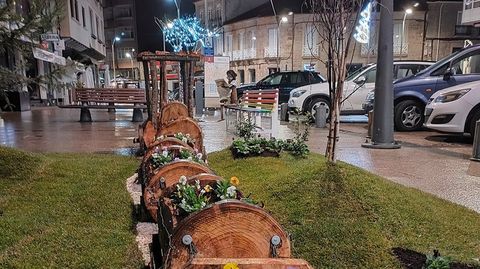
<point>226,230</point>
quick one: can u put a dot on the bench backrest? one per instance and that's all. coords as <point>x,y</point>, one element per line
<point>266,99</point>
<point>109,95</point>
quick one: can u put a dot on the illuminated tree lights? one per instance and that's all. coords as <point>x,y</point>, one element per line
<point>185,33</point>
<point>362,33</point>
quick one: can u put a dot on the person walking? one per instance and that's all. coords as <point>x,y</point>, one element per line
<point>232,83</point>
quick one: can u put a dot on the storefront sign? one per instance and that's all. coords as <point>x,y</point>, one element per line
<point>49,37</point>
<point>48,56</point>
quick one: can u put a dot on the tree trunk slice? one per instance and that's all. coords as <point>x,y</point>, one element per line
<point>185,126</point>
<point>270,263</point>
<point>172,111</point>
<point>228,229</point>
<point>146,167</point>
<point>169,174</point>
<point>148,134</point>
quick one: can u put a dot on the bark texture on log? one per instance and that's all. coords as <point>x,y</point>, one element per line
<point>185,126</point>
<point>173,111</point>
<point>166,176</point>
<point>228,229</point>
<point>149,133</point>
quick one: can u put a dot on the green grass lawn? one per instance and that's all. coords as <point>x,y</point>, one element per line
<point>348,218</point>
<point>65,211</point>
<point>73,211</point>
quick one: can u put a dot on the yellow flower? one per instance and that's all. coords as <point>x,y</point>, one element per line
<point>207,188</point>
<point>231,265</point>
<point>234,181</point>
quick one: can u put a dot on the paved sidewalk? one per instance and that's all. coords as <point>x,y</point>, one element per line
<point>429,161</point>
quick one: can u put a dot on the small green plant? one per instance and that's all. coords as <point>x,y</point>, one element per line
<point>301,128</point>
<point>245,128</point>
<point>436,261</point>
<point>190,198</point>
<point>161,158</point>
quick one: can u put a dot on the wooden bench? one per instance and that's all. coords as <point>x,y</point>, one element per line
<point>255,105</point>
<point>108,98</point>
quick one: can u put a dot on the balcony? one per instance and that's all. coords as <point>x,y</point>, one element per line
<point>310,52</point>
<point>270,52</point>
<point>367,51</point>
<point>463,30</point>
<point>401,52</point>
<point>246,54</point>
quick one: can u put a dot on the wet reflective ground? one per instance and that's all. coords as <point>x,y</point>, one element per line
<point>429,161</point>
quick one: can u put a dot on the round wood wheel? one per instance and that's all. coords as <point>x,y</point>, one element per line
<point>166,176</point>
<point>185,126</point>
<point>171,112</point>
<point>228,229</point>
<point>171,144</point>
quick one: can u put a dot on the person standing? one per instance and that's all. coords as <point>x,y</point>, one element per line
<point>232,82</point>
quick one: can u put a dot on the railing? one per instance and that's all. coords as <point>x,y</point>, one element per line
<point>372,50</point>
<point>245,54</point>
<point>270,52</point>
<point>310,51</point>
<point>463,30</point>
<point>397,50</point>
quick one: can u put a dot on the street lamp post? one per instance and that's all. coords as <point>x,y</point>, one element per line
<point>113,59</point>
<point>128,55</point>
<point>408,11</point>
<point>177,4</point>
<point>282,20</point>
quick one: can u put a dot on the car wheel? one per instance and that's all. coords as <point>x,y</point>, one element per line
<point>473,122</point>
<point>409,115</point>
<point>318,101</point>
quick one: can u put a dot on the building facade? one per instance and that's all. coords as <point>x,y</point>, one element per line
<point>120,21</point>
<point>81,31</point>
<point>471,12</point>
<point>259,45</point>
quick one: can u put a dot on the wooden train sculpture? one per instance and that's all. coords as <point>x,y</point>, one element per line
<point>226,233</point>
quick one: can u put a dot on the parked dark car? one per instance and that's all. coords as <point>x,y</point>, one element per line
<point>412,94</point>
<point>284,81</point>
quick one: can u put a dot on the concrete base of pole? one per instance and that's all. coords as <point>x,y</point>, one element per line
<point>372,145</point>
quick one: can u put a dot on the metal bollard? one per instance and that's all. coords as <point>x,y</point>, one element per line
<point>284,112</point>
<point>476,143</point>
<point>320,117</point>
<point>370,124</point>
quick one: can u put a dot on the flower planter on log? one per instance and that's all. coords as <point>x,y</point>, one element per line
<point>168,175</point>
<point>230,230</point>
<point>171,112</point>
<point>185,126</point>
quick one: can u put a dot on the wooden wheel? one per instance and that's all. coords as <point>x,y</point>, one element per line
<point>148,134</point>
<point>228,229</point>
<point>171,112</point>
<point>270,263</point>
<point>185,126</point>
<point>171,144</point>
<point>166,176</point>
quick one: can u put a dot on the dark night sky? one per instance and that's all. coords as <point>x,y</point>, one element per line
<point>149,35</point>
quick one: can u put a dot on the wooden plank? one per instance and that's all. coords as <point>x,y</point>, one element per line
<point>250,263</point>
<point>103,106</point>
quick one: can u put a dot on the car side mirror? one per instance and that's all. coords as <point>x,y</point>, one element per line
<point>360,80</point>
<point>447,74</point>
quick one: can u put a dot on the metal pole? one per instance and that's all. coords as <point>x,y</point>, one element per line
<point>113,62</point>
<point>133,71</point>
<point>382,136</point>
<point>403,33</point>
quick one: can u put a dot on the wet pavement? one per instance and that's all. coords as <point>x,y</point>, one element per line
<point>429,161</point>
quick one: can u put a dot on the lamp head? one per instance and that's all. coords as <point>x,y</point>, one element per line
<point>284,19</point>
<point>128,55</point>
<point>117,38</point>
<point>409,11</point>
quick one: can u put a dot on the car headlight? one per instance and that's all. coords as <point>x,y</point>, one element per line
<point>297,94</point>
<point>451,96</point>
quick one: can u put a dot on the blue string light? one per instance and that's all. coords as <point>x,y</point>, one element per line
<point>185,33</point>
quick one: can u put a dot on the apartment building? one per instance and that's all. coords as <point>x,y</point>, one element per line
<point>471,12</point>
<point>120,21</point>
<point>259,43</point>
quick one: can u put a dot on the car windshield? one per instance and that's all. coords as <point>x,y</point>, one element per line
<point>439,63</point>
<point>357,72</point>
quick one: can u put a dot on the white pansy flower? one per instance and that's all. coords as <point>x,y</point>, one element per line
<point>203,204</point>
<point>183,180</point>
<point>165,153</point>
<point>202,192</point>
<point>155,155</point>
<point>197,184</point>
<point>199,156</point>
<point>190,158</point>
<point>185,140</point>
<point>231,191</point>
